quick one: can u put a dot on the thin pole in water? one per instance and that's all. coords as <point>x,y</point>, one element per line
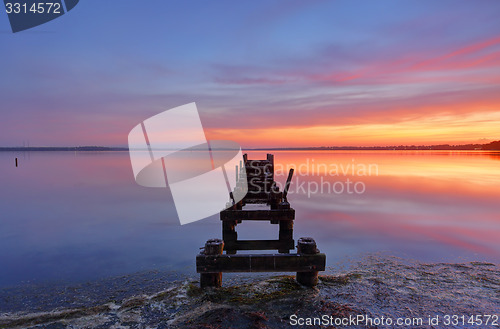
<point>16,162</point>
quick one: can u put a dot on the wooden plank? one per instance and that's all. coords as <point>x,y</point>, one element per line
<point>260,263</point>
<point>272,214</point>
<point>256,195</point>
<point>256,200</point>
<point>256,188</point>
<point>259,179</point>
<point>258,163</point>
<point>259,244</point>
<point>265,168</point>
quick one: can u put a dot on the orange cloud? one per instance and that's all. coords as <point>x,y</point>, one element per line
<point>445,129</point>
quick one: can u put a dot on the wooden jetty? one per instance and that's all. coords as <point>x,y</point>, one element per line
<point>262,189</point>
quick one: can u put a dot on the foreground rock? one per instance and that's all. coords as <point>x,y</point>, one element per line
<point>373,288</point>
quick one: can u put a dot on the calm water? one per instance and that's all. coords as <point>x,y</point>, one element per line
<point>80,216</point>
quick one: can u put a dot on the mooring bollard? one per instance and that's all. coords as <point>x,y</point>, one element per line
<point>307,246</point>
<point>212,247</point>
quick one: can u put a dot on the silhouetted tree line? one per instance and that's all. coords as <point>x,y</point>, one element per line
<point>492,146</point>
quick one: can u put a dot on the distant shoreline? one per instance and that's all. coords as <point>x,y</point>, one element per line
<point>494,146</point>
<point>59,149</point>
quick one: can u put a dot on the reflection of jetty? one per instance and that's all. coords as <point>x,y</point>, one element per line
<point>262,189</point>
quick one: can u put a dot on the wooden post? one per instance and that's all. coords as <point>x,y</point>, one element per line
<point>16,162</point>
<point>287,185</point>
<point>286,231</point>
<point>230,236</point>
<point>285,236</point>
<point>274,197</point>
<point>270,158</point>
<point>307,246</point>
<point>240,169</point>
<point>212,247</point>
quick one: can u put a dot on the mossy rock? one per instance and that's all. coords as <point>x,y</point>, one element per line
<point>339,280</point>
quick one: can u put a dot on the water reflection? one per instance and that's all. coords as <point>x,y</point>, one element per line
<point>74,216</point>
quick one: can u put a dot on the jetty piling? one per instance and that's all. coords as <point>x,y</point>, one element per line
<point>307,246</point>
<point>213,247</point>
<point>262,189</point>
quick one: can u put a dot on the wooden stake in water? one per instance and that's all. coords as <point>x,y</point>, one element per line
<point>16,162</point>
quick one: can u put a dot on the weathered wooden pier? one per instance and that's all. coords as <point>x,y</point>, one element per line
<point>262,189</point>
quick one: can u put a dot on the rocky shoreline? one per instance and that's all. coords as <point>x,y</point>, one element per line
<point>373,287</point>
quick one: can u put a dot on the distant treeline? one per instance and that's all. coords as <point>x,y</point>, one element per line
<point>466,147</point>
<point>492,146</point>
<point>53,148</point>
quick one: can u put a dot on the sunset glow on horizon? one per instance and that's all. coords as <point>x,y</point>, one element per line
<point>454,130</point>
<point>281,74</point>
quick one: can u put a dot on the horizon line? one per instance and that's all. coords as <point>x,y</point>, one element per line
<point>344,147</point>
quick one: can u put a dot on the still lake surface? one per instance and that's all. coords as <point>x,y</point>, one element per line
<point>70,217</point>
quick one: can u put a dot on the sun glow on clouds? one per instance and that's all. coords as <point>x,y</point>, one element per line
<point>445,129</point>
<point>438,95</point>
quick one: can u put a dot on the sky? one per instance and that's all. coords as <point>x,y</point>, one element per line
<point>263,73</point>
